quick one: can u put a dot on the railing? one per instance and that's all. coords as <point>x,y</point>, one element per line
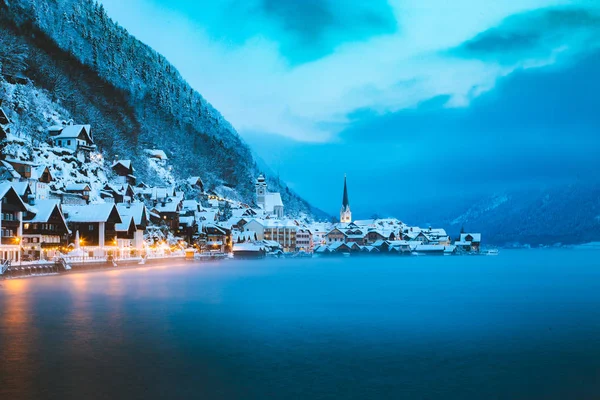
<point>5,264</point>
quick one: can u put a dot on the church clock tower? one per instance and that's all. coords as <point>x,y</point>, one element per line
<point>345,213</point>
<point>261,190</point>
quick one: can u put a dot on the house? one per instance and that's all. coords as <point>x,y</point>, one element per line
<point>283,232</point>
<point>218,238</point>
<point>125,231</point>
<point>469,241</point>
<point>125,171</point>
<point>304,240</point>
<point>257,226</point>
<point>11,212</point>
<point>7,172</point>
<point>118,192</point>
<point>168,210</point>
<point>335,235</point>
<point>248,251</point>
<point>94,223</point>
<point>187,227</point>
<point>77,138</point>
<point>196,183</point>
<point>80,189</point>
<point>374,235</point>
<point>23,168</point>
<point>138,212</point>
<point>40,182</point>
<point>269,203</point>
<point>45,230</point>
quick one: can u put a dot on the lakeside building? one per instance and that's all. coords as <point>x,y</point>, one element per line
<point>45,230</point>
<point>12,208</point>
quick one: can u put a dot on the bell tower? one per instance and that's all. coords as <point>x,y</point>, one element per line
<point>261,190</point>
<point>345,213</point>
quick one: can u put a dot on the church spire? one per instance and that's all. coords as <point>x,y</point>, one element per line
<point>345,213</point>
<point>345,202</point>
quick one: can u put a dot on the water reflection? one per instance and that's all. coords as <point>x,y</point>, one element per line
<point>18,335</point>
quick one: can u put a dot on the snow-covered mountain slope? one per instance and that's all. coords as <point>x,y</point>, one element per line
<point>67,60</point>
<point>566,214</point>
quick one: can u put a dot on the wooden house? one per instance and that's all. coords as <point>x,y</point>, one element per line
<point>45,230</point>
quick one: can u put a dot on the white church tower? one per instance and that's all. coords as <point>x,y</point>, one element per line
<point>261,190</point>
<point>345,213</point>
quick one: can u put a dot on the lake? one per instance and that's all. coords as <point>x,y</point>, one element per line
<point>522,325</point>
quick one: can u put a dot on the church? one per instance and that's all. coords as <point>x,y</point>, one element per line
<point>270,203</point>
<point>345,213</point>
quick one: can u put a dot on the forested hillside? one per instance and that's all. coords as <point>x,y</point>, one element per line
<point>99,74</point>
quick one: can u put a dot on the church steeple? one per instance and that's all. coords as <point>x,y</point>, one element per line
<point>345,213</point>
<point>345,202</point>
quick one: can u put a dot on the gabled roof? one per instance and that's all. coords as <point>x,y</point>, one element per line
<point>77,187</point>
<point>126,224</point>
<point>124,163</point>
<point>21,187</point>
<point>76,131</point>
<point>272,200</point>
<point>135,210</point>
<point>5,188</point>
<point>102,212</point>
<point>476,237</point>
<point>44,209</point>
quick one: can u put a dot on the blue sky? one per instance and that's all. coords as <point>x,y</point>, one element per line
<point>418,101</point>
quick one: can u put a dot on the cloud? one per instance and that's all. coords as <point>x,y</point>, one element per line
<point>317,27</point>
<point>536,35</point>
<point>303,69</point>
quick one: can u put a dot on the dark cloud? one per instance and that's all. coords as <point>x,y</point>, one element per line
<point>316,27</point>
<point>535,35</point>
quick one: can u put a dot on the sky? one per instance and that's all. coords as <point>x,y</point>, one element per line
<point>420,102</point>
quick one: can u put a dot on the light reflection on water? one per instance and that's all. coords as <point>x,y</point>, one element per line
<point>525,324</point>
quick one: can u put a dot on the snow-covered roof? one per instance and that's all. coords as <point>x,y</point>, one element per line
<point>272,200</point>
<point>43,210</point>
<point>124,163</point>
<point>189,221</point>
<point>135,210</point>
<point>190,205</point>
<point>125,223</point>
<point>9,168</point>
<point>167,206</point>
<point>430,247</point>
<point>193,180</point>
<point>90,212</point>
<point>20,187</point>
<point>5,187</point>
<point>476,237</point>
<point>247,247</point>
<point>73,131</point>
<point>77,187</point>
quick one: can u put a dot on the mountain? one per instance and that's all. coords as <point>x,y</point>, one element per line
<point>67,60</point>
<point>563,214</point>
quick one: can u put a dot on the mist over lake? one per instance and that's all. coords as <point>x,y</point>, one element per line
<point>524,324</point>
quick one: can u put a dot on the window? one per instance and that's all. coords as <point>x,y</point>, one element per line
<point>68,142</point>
<point>90,227</point>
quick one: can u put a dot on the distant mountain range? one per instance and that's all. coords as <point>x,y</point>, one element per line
<point>68,60</point>
<point>566,214</point>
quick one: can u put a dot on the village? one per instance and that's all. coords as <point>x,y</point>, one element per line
<point>65,206</point>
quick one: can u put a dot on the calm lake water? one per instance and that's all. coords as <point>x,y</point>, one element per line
<point>523,325</point>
